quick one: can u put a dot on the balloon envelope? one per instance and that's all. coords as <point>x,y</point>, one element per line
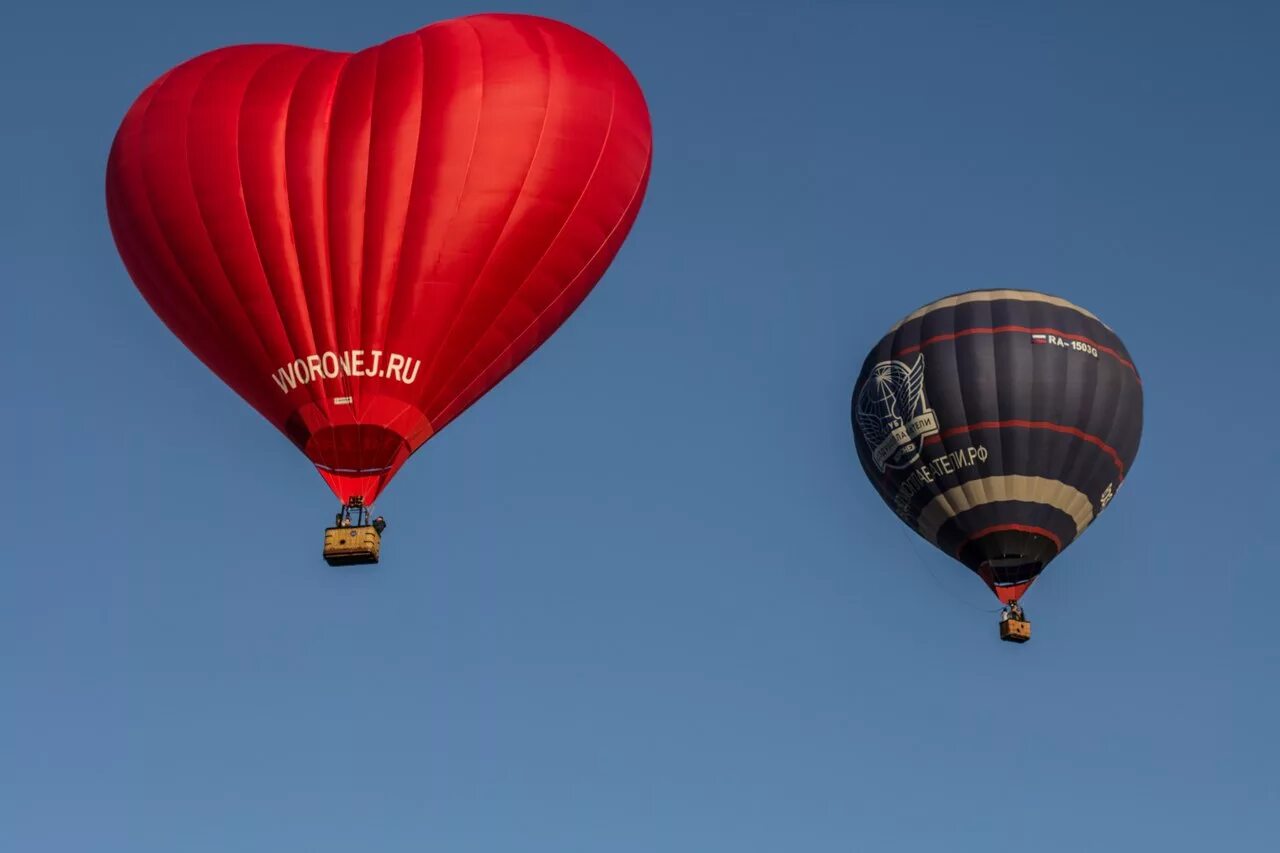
<point>361,245</point>
<point>998,424</point>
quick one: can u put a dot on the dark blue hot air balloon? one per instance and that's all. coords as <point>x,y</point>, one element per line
<point>999,424</point>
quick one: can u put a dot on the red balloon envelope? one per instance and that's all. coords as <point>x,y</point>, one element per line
<point>361,245</point>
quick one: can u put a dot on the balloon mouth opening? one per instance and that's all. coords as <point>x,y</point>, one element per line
<point>1009,576</point>
<point>354,448</point>
<point>358,447</point>
<point>1009,570</point>
<point>356,460</point>
<point>1009,559</point>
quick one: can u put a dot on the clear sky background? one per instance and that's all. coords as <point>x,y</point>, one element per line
<point>641,597</point>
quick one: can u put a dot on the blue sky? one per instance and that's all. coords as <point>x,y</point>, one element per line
<point>640,597</point>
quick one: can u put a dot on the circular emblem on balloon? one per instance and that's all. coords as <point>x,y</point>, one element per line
<point>894,414</point>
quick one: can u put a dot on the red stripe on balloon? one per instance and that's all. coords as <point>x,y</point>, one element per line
<point>998,330</point>
<point>1045,425</point>
<point>1018,528</point>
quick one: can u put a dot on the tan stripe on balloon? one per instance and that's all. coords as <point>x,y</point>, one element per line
<point>987,490</point>
<point>992,296</point>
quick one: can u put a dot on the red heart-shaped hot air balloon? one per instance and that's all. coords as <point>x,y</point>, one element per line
<point>361,245</point>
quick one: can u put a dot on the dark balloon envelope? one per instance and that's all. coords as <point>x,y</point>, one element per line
<point>998,424</point>
<point>363,244</point>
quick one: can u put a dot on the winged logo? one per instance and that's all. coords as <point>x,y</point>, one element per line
<point>893,413</point>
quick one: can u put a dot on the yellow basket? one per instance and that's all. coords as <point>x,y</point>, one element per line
<point>352,546</point>
<point>1015,630</point>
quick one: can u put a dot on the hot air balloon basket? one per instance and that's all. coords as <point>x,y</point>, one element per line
<point>1015,630</point>
<point>352,546</point>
